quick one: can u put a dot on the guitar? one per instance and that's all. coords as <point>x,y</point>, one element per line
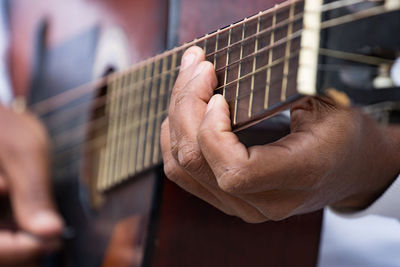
<point>107,133</point>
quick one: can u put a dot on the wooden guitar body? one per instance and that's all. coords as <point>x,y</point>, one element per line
<point>147,221</point>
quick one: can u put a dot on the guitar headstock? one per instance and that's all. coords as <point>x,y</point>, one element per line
<point>358,49</point>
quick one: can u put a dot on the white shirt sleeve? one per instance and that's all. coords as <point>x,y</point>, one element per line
<point>388,204</point>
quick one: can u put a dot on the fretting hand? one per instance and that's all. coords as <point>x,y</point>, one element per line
<point>333,155</point>
<point>24,178</point>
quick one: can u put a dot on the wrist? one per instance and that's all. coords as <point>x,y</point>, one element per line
<point>386,169</point>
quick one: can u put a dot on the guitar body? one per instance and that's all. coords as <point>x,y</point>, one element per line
<point>147,221</point>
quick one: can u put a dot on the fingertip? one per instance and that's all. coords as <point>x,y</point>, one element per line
<point>190,56</point>
<point>216,102</point>
<point>46,224</point>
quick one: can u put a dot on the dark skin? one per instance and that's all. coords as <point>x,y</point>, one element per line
<point>333,156</point>
<point>24,178</point>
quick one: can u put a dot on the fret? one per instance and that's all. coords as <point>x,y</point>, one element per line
<point>116,152</point>
<point>101,185</point>
<point>172,76</point>
<point>216,48</point>
<point>122,115</point>
<point>126,163</point>
<point>205,44</point>
<point>270,59</point>
<point>227,62</point>
<point>238,77</point>
<point>111,135</point>
<point>254,68</point>
<point>152,114</point>
<point>287,54</point>
<point>159,111</point>
<point>143,116</point>
<point>137,96</point>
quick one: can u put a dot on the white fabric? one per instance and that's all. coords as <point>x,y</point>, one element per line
<point>367,238</point>
<point>5,88</point>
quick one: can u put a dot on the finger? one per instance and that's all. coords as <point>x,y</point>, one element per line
<point>240,170</point>
<point>190,59</point>
<point>25,166</point>
<point>186,118</point>
<point>18,248</point>
<point>176,174</point>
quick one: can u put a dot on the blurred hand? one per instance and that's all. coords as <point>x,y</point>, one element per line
<point>24,177</point>
<point>333,155</point>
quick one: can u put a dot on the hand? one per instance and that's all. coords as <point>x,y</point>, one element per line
<point>333,155</point>
<point>24,177</point>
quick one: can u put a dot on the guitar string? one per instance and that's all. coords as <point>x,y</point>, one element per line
<point>93,124</point>
<point>96,124</point>
<point>51,104</point>
<point>65,146</point>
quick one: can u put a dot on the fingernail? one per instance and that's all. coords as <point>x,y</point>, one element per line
<point>210,104</point>
<point>198,70</point>
<point>187,60</point>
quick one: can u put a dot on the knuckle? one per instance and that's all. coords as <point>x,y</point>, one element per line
<point>170,170</point>
<point>180,97</point>
<point>231,180</point>
<point>190,158</point>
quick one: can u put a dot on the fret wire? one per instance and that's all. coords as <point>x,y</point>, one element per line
<point>205,44</point>
<point>142,129</point>
<point>121,126</point>
<point>216,48</point>
<point>133,132</point>
<point>287,52</point>
<point>117,136</point>
<point>111,133</point>
<point>172,75</point>
<point>270,54</point>
<point>254,68</point>
<point>150,127</point>
<point>238,83</point>
<point>156,149</point>
<point>126,166</point>
<point>100,175</point>
<point>227,63</point>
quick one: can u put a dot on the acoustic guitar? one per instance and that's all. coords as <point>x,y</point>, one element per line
<point>119,208</point>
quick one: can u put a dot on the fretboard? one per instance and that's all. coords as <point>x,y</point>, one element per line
<point>256,61</point>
